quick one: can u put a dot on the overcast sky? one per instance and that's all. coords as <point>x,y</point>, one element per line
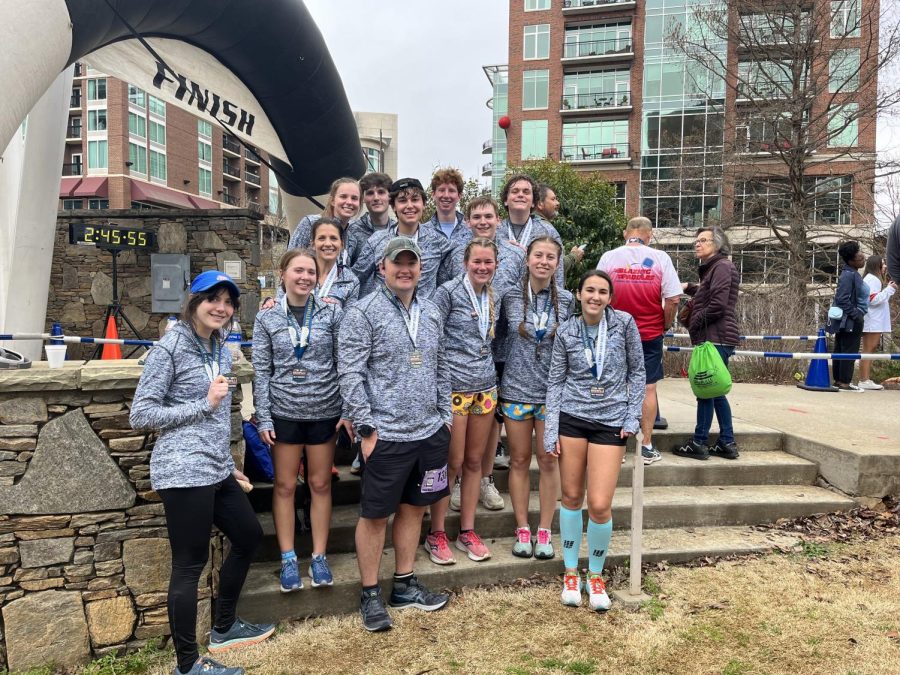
<point>421,60</point>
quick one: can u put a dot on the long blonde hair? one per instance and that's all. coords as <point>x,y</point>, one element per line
<point>485,243</point>
<point>328,211</point>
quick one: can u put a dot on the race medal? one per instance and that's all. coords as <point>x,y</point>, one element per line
<point>232,380</point>
<point>304,336</point>
<point>485,349</point>
<point>597,392</point>
<point>415,359</point>
<point>299,374</point>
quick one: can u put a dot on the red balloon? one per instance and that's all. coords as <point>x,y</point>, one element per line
<point>504,122</point>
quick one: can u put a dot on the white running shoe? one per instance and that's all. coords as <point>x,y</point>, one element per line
<point>455,497</point>
<point>571,592</point>
<point>869,385</point>
<point>597,597</point>
<point>501,459</point>
<point>490,497</point>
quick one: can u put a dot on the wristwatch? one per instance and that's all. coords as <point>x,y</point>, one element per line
<point>365,430</point>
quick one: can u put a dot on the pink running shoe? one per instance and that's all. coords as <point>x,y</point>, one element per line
<point>437,545</point>
<point>471,544</point>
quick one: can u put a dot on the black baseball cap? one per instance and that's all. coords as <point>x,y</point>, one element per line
<point>406,184</point>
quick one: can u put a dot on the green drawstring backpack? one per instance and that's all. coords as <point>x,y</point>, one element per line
<point>707,373</point>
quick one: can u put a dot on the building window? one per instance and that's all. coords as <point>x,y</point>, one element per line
<point>156,106</point>
<point>537,41</point>
<point>97,120</point>
<point>98,157</point>
<point>843,71</point>
<point>536,5</point>
<point>137,125</point>
<point>534,139</point>
<point>75,101</point>
<point>620,196</point>
<point>72,204</point>
<point>764,203</point>
<point>535,89</point>
<point>98,203</point>
<point>157,132</point>
<point>606,139</point>
<point>204,129</point>
<point>844,18</point>
<point>136,96</point>
<point>597,40</point>
<point>843,126</point>
<point>374,158</point>
<point>158,165</point>
<point>137,155</point>
<point>204,181</point>
<point>97,89</point>
<point>273,193</point>
<point>596,89</point>
<point>204,152</point>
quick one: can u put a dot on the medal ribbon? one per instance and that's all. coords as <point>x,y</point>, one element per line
<point>595,354</point>
<point>323,290</point>
<point>526,233</point>
<point>482,307</point>
<point>211,359</point>
<point>299,336</point>
<point>540,322</point>
<point>410,318</point>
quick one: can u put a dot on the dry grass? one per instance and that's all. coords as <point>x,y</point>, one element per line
<point>824,608</point>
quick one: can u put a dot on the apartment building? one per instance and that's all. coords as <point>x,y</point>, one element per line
<point>603,85</point>
<point>125,148</point>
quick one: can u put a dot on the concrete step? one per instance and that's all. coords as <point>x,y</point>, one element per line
<point>262,599</point>
<point>664,506</point>
<point>753,468</point>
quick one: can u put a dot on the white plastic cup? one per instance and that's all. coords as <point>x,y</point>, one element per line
<point>56,355</point>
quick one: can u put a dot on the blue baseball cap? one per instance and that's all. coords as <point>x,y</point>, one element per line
<point>210,278</point>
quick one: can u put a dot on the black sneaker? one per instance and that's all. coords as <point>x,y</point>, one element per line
<point>692,450</point>
<point>375,616</point>
<point>410,593</point>
<point>725,450</point>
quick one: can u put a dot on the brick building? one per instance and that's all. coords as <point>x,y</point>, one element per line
<point>602,84</point>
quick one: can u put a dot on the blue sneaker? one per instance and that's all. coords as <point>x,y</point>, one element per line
<point>290,576</point>
<point>206,666</point>
<point>320,572</point>
<point>650,454</point>
<point>240,634</point>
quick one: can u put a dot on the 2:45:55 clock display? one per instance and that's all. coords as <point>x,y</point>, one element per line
<point>110,236</point>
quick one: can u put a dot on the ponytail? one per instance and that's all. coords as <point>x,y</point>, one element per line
<point>526,281</point>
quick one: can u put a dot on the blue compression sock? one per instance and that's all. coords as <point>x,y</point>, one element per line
<point>571,530</point>
<point>598,544</point>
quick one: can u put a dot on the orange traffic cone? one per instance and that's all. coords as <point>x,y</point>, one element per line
<point>111,352</point>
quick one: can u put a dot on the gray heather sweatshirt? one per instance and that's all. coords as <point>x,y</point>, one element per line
<point>379,384</point>
<point>460,233</point>
<point>437,260</point>
<point>358,233</point>
<point>275,390</point>
<point>468,355</point>
<point>528,362</point>
<point>510,264</point>
<point>193,447</point>
<point>540,227</point>
<point>616,398</point>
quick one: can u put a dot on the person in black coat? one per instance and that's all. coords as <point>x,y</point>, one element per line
<point>852,300</point>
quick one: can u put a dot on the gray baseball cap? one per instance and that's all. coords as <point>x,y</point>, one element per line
<point>397,245</point>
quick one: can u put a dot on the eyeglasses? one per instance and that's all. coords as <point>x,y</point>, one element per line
<point>702,240</point>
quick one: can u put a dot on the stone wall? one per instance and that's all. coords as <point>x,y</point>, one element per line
<point>84,556</point>
<point>81,281</point>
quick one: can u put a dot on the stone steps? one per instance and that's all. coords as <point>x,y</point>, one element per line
<point>664,507</point>
<point>262,599</point>
<point>753,468</point>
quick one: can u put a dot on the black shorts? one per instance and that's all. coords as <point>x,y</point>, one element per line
<point>399,472</point>
<point>653,359</point>
<point>499,366</point>
<point>594,432</point>
<point>304,432</point>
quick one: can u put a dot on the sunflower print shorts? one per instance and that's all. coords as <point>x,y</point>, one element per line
<point>474,403</point>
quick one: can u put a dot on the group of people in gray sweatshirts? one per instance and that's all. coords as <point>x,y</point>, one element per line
<point>419,340</point>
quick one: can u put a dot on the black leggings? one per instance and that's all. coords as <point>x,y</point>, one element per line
<point>845,342</point>
<point>190,515</point>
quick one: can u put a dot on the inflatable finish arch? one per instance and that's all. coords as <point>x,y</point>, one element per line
<point>260,69</point>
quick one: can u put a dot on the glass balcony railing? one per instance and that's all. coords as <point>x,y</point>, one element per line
<point>72,169</point>
<point>229,199</point>
<point>574,4</point>
<point>73,131</point>
<point>251,156</point>
<point>231,169</point>
<point>608,47</point>
<point>601,99</point>
<point>600,151</point>
<point>231,145</point>
<point>252,178</point>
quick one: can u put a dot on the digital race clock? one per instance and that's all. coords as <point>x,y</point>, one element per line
<point>111,237</point>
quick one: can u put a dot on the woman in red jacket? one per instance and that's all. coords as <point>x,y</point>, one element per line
<point>711,316</point>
